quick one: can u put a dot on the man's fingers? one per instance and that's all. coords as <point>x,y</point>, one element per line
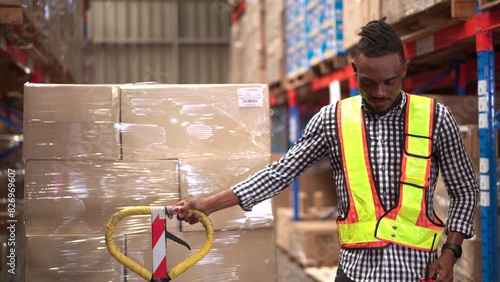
<point>194,219</point>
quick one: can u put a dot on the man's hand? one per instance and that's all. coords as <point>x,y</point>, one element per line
<point>443,266</point>
<point>207,205</point>
<point>200,204</point>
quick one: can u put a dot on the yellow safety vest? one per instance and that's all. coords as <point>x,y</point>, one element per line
<point>367,224</point>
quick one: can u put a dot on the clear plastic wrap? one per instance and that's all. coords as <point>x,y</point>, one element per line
<point>239,255</point>
<point>71,122</point>
<point>92,150</point>
<point>190,121</point>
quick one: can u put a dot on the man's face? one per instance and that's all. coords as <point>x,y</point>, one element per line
<point>380,80</point>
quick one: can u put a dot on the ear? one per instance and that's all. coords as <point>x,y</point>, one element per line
<point>405,67</point>
<point>355,69</point>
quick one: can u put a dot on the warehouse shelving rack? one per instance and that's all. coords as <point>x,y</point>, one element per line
<point>480,70</point>
<point>20,44</point>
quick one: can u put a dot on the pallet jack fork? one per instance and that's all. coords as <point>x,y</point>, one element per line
<point>159,215</point>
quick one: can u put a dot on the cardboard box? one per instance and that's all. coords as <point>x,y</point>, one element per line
<point>242,255</point>
<point>70,103</point>
<point>397,10</point>
<point>208,176</point>
<point>315,243</point>
<point>193,121</point>
<point>463,108</point>
<point>71,122</point>
<point>283,225</point>
<point>356,14</point>
<point>469,267</point>
<point>78,140</point>
<point>74,253</point>
<point>318,178</point>
<point>74,276</point>
<point>73,197</point>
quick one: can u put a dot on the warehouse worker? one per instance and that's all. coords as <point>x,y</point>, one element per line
<point>385,148</point>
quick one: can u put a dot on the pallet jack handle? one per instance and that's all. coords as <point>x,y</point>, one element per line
<point>141,270</point>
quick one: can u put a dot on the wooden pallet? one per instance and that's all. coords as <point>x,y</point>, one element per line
<point>439,16</point>
<point>299,80</point>
<point>289,269</point>
<point>322,274</point>
<point>488,4</point>
<point>330,65</point>
<point>277,87</point>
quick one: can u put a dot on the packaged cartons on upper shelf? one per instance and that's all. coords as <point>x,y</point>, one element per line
<point>51,35</point>
<point>355,15</point>
<point>251,26</point>
<point>275,40</point>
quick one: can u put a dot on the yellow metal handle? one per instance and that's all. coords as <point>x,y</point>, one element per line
<point>141,270</point>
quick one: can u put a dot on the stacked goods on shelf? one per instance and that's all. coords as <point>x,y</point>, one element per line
<point>136,145</point>
<point>468,268</point>
<point>297,62</point>
<point>397,10</point>
<point>236,66</point>
<point>252,43</point>
<point>312,241</point>
<point>465,112</point>
<point>318,178</point>
<point>324,30</point>
<point>275,41</point>
<point>52,35</point>
<point>355,15</point>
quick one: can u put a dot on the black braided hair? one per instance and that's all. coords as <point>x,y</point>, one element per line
<point>378,39</point>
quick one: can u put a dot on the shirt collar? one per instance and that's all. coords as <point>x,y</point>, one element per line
<point>397,107</point>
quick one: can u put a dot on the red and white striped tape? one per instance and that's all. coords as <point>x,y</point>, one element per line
<point>158,226</point>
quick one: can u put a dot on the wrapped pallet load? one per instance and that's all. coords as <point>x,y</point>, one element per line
<point>92,150</point>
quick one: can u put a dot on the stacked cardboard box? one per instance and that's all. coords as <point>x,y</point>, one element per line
<point>356,14</point>
<point>309,241</point>
<point>469,267</point>
<point>236,54</point>
<point>275,40</point>
<point>252,43</point>
<point>91,150</point>
<point>397,10</point>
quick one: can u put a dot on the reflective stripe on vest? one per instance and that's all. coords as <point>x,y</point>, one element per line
<point>367,224</point>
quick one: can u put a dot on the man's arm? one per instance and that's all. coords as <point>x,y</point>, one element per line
<point>458,176</point>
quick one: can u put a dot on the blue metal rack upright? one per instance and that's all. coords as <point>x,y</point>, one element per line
<point>487,142</point>
<point>295,133</point>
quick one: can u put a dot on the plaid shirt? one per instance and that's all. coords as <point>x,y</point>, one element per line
<point>385,143</point>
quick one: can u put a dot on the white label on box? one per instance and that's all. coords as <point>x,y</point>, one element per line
<point>484,165</point>
<point>292,124</point>
<point>250,97</point>
<point>335,92</point>
<point>482,104</point>
<point>483,120</point>
<point>481,88</point>
<point>425,45</point>
<point>484,182</point>
<point>463,128</point>
<point>485,199</point>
